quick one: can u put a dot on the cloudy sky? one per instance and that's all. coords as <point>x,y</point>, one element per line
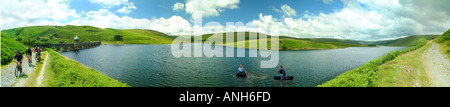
<point>343,19</point>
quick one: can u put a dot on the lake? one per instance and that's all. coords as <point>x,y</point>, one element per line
<point>154,66</point>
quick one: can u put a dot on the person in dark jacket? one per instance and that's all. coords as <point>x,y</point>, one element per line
<point>19,58</point>
<point>282,72</point>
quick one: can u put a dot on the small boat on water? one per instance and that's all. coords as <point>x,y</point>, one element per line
<point>284,78</point>
<point>243,74</point>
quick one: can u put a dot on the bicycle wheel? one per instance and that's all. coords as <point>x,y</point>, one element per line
<point>17,72</point>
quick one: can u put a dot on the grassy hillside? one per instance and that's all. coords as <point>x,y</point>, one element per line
<point>285,43</point>
<point>408,41</point>
<point>406,70</point>
<point>444,42</point>
<point>366,75</point>
<point>65,34</point>
<point>338,41</point>
<point>67,73</point>
<point>9,47</point>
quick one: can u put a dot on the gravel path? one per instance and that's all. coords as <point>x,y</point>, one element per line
<point>437,67</point>
<point>7,72</point>
<point>41,74</point>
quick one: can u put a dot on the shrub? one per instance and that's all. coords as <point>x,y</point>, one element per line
<point>118,37</point>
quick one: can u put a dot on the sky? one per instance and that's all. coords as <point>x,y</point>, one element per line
<point>369,20</point>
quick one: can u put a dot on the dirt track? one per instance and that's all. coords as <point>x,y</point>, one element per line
<point>437,67</point>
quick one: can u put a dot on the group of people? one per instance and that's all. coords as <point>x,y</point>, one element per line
<point>241,69</point>
<point>19,57</point>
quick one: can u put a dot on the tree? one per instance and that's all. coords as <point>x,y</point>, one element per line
<point>56,35</point>
<point>118,37</point>
<point>19,39</point>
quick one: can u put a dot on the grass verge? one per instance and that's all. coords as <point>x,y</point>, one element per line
<point>365,75</point>
<point>444,42</point>
<point>31,81</point>
<point>406,70</point>
<point>68,73</point>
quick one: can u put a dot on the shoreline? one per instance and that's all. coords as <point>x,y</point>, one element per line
<point>290,49</point>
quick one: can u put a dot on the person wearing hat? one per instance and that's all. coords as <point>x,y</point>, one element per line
<point>38,52</point>
<point>28,54</point>
<point>19,57</point>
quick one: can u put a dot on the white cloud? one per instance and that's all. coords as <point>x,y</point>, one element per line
<point>109,3</point>
<point>380,20</point>
<point>276,9</point>
<point>178,6</point>
<point>106,19</point>
<point>287,10</point>
<point>127,8</point>
<point>19,13</point>
<point>209,8</point>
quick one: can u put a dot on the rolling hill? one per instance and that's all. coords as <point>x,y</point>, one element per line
<point>9,47</point>
<point>444,41</point>
<point>407,41</point>
<point>285,42</point>
<point>65,34</point>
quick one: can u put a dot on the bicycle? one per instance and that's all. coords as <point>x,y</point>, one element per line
<point>18,70</point>
<point>29,61</point>
<point>38,58</point>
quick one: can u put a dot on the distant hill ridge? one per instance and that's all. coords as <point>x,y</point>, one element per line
<point>65,34</point>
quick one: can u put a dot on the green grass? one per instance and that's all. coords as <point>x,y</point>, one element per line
<point>406,41</point>
<point>32,79</point>
<point>410,40</point>
<point>65,34</point>
<point>406,70</point>
<point>285,43</point>
<point>366,75</point>
<point>9,47</point>
<point>444,42</point>
<point>67,73</point>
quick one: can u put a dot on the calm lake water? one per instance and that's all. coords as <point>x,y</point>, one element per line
<point>154,66</point>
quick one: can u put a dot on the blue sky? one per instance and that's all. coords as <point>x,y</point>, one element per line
<point>247,11</point>
<point>342,19</point>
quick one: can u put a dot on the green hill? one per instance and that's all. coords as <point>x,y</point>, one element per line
<point>445,37</point>
<point>9,48</point>
<point>444,41</point>
<point>407,41</point>
<point>65,34</point>
<point>286,43</point>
